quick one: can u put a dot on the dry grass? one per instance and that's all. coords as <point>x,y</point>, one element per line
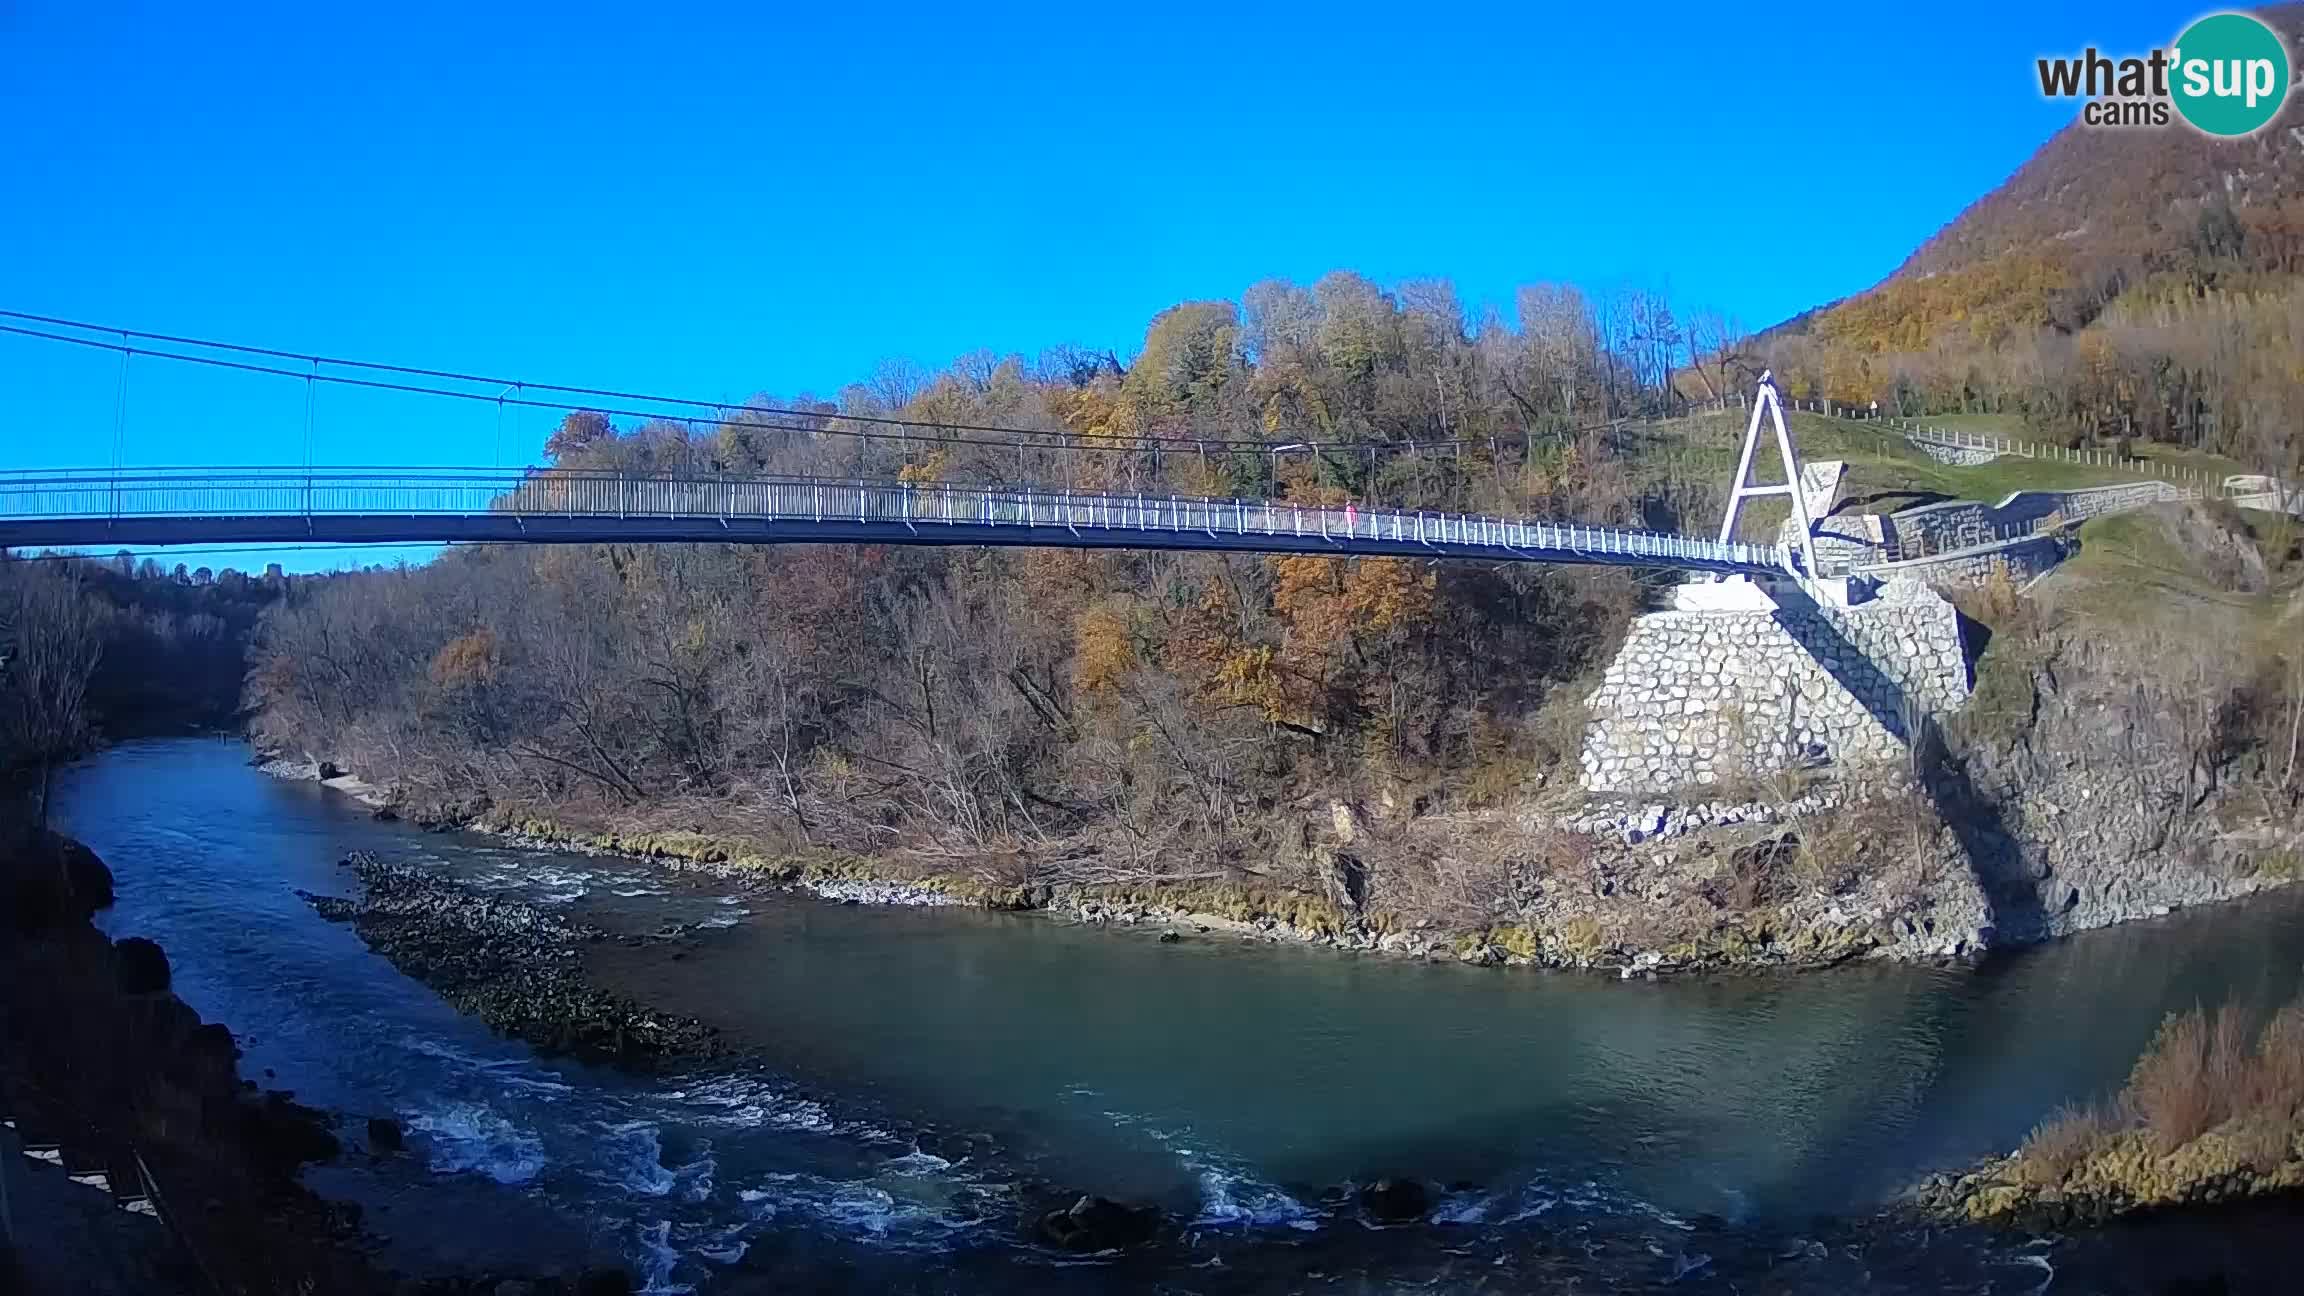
<point>1891,834</point>
<point>1996,602</point>
<point>2277,1079</point>
<point>2187,1082</point>
<point>2209,1080</point>
<point>2058,1145</point>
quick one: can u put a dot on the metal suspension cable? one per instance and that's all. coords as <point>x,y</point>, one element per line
<point>417,389</point>
<point>933,433</point>
<point>604,393</point>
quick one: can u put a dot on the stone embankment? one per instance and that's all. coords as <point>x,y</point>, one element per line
<point>515,966</point>
<point>1636,822</point>
<point>1706,697</point>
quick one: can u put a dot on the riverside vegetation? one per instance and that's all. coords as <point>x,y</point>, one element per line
<point>1374,752</point>
<point>2214,1111</point>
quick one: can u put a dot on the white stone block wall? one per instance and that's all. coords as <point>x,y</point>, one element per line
<point>1698,697</point>
<point>2021,559</point>
<point>1958,523</point>
<point>1958,456</point>
<point>2272,501</point>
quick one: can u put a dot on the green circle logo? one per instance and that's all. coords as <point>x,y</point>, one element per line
<point>2229,74</point>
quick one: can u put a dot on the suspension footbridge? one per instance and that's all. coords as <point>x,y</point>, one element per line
<point>74,509</point>
<point>121,506</point>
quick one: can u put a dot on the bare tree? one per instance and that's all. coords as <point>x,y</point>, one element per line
<point>49,646</point>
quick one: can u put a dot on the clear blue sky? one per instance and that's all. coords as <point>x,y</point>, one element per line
<point>734,200</point>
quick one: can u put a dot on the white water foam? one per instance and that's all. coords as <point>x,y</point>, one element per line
<point>861,1211</point>
<point>462,1137</point>
<point>657,1260</point>
<point>519,1073</point>
<point>1537,1198</point>
<point>533,879</point>
<point>1516,1206</point>
<point>737,1101</point>
<point>726,1252</point>
<point>720,1245</point>
<point>1232,1200</point>
<point>915,1162</point>
<point>630,1156</point>
<point>1230,1196</point>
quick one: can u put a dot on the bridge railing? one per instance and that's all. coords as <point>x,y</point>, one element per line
<point>916,506</point>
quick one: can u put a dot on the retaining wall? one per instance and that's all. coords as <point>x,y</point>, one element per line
<point>2022,558</point>
<point>1698,697</point>
<point>1957,523</point>
<point>1958,456</point>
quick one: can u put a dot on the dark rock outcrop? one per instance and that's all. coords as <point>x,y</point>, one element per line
<point>50,882</point>
<point>1098,1224</point>
<point>1396,1201</point>
<point>2108,798</point>
<point>96,1049</point>
<point>385,1135</point>
<point>143,966</point>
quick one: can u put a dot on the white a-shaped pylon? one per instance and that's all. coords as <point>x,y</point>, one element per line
<point>1767,402</point>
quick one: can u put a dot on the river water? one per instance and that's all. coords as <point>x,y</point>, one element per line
<point>931,1075</point>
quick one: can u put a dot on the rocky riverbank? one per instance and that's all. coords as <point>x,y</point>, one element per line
<point>1740,890</point>
<point>99,1057</point>
<point>1626,889</point>
<point>2128,1175</point>
<point>2012,842</point>
<point>514,966</point>
<point>2213,1112</point>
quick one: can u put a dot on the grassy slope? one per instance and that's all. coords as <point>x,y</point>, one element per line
<point>1885,472</point>
<point>2131,567</point>
<point>2132,576</point>
<point>2012,427</point>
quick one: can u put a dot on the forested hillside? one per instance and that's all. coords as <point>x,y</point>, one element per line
<point>1171,711</point>
<point>99,650</point>
<point>2144,282</point>
<point>1130,714</point>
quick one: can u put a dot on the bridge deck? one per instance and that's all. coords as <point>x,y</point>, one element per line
<point>367,505</point>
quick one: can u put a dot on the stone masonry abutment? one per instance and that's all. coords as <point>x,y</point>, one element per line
<point>1701,697</point>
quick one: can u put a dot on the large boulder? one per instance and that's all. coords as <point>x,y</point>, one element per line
<point>1098,1224</point>
<point>143,966</point>
<point>89,882</point>
<point>281,1135</point>
<point>385,1135</point>
<point>47,880</point>
<point>1396,1201</point>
